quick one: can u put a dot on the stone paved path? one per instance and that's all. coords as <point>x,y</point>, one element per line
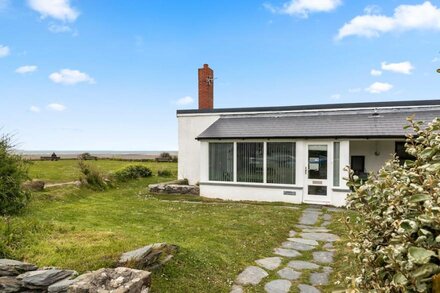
<point>304,261</point>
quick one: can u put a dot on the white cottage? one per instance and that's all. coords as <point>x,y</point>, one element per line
<point>293,154</point>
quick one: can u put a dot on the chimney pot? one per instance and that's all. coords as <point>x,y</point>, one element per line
<point>206,88</point>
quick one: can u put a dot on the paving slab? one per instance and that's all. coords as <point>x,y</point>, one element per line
<point>286,252</point>
<point>323,256</point>
<point>303,288</point>
<point>297,246</point>
<point>278,286</point>
<point>251,276</point>
<point>325,223</point>
<point>236,289</point>
<point>315,230</point>
<point>326,217</point>
<point>302,265</point>
<point>309,218</point>
<point>327,269</point>
<point>269,263</point>
<point>304,241</point>
<point>328,237</point>
<point>319,278</point>
<point>289,274</point>
<point>328,245</point>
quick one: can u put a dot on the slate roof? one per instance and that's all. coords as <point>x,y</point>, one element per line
<point>334,124</point>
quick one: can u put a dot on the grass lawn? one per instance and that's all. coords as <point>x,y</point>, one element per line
<point>67,170</point>
<point>85,230</point>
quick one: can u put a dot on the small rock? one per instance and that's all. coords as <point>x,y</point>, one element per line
<point>42,279</point>
<point>320,236</point>
<point>302,265</point>
<point>327,217</point>
<point>307,289</point>
<point>319,279</point>
<point>327,269</point>
<point>278,286</point>
<point>251,276</point>
<point>323,256</point>
<point>297,246</point>
<point>286,252</point>
<point>61,286</point>
<point>236,289</point>
<point>304,241</point>
<point>10,267</point>
<point>289,274</point>
<point>292,233</point>
<point>269,263</point>
<point>9,285</point>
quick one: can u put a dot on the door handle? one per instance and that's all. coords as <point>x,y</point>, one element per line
<point>305,170</point>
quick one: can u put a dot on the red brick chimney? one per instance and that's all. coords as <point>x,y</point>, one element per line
<point>206,87</point>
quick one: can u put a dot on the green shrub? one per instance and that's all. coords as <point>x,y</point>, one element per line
<point>13,172</point>
<point>398,244</point>
<point>132,172</point>
<point>91,177</point>
<point>164,173</point>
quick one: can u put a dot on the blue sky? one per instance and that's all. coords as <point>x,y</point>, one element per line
<point>109,75</point>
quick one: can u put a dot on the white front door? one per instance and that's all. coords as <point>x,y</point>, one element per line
<point>317,172</point>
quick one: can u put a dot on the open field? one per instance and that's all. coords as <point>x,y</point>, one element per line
<point>67,170</point>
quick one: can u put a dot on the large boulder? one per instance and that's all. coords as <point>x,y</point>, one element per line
<point>42,279</point>
<point>119,280</point>
<point>10,267</point>
<point>174,189</point>
<point>149,257</point>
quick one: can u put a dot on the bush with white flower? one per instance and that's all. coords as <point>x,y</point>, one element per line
<point>396,238</point>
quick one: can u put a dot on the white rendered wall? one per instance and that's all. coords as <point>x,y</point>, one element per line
<point>189,148</point>
<point>376,152</point>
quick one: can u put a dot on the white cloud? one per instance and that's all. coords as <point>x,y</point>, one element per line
<point>335,97</point>
<point>375,72</point>
<point>402,67</point>
<point>185,101</point>
<point>57,28</point>
<point>57,9</point>
<point>4,51</point>
<point>69,77</point>
<point>304,7</point>
<point>35,109</point>
<point>379,87</point>
<point>56,107</point>
<point>406,17</point>
<point>372,9</point>
<point>26,69</point>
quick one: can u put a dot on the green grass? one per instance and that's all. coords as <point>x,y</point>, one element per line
<point>85,230</point>
<point>67,170</point>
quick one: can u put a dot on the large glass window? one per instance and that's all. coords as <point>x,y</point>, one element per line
<point>336,163</point>
<point>250,162</point>
<point>281,162</point>
<point>221,161</point>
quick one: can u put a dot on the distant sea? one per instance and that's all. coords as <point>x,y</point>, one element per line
<point>101,154</point>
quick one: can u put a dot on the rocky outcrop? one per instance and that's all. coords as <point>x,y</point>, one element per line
<point>120,280</point>
<point>174,189</point>
<point>42,279</point>
<point>149,257</point>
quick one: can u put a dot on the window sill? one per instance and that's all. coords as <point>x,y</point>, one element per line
<point>249,184</point>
